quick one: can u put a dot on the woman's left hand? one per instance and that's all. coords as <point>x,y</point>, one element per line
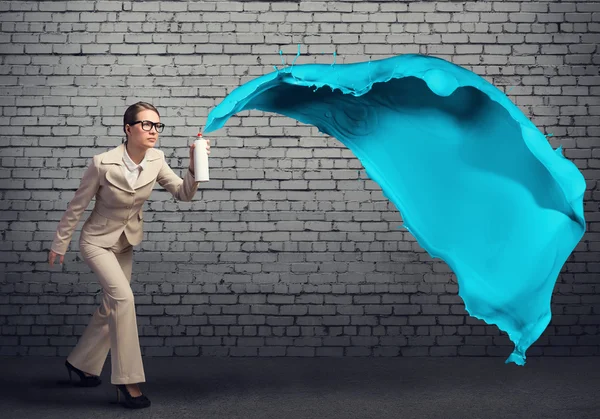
<point>192,153</point>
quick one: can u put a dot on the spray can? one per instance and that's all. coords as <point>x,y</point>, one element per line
<point>200,160</point>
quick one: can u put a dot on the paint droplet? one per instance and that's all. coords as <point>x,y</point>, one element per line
<point>441,82</point>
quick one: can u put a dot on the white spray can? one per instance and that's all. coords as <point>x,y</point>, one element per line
<point>200,160</point>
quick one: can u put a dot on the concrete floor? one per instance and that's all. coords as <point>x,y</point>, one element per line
<point>288,388</point>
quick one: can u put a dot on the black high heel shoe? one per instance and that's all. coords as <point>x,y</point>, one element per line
<point>85,381</point>
<point>138,402</point>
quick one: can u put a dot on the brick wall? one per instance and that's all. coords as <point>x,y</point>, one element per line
<point>290,250</point>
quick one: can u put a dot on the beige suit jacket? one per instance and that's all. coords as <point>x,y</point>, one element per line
<point>118,207</point>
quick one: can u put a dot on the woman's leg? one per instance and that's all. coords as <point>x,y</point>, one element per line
<point>115,325</point>
<point>92,348</point>
<point>89,355</point>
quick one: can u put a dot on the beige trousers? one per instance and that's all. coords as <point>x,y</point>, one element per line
<point>113,325</point>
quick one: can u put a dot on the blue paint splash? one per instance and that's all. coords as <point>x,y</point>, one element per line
<point>477,184</point>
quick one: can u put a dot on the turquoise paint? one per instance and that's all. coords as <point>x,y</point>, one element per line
<point>477,184</point>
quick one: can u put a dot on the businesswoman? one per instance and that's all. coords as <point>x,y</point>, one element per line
<point>121,180</point>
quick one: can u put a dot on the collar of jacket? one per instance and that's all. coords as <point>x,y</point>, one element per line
<point>115,156</point>
<point>117,178</point>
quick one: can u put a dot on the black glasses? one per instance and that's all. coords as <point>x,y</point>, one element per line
<point>147,125</point>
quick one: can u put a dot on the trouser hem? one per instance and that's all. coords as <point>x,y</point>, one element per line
<point>132,379</point>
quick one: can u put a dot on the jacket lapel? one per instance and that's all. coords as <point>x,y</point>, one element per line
<point>114,173</point>
<point>153,165</point>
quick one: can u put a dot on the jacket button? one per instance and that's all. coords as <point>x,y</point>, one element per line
<point>124,221</point>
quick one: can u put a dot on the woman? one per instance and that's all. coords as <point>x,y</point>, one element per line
<point>121,180</point>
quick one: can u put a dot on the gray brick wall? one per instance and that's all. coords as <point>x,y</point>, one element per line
<point>290,250</point>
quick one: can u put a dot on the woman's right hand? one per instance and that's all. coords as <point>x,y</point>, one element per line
<point>52,257</point>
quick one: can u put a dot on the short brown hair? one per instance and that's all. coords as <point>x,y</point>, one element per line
<point>133,110</point>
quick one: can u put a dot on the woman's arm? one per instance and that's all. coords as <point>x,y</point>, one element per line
<point>181,189</point>
<point>87,190</point>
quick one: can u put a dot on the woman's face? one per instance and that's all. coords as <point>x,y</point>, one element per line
<point>137,136</point>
